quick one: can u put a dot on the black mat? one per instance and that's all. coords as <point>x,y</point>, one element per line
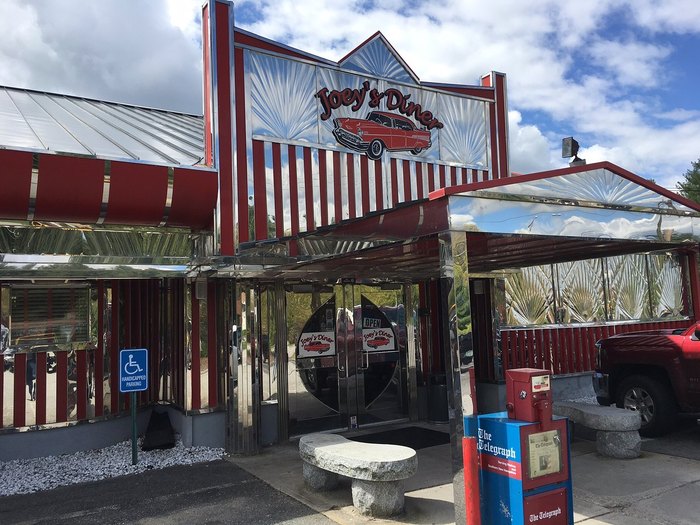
<point>414,437</point>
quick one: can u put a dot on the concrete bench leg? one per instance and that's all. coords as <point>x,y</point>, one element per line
<point>317,478</point>
<point>620,445</point>
<point>378,498</point>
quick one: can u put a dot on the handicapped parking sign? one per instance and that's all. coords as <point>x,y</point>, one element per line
<point>133,370</point>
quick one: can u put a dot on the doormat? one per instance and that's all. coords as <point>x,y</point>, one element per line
<point>414,437</point>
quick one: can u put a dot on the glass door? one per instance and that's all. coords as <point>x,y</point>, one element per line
<point>347,356</point>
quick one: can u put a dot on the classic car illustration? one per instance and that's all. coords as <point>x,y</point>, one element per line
<point>378,341</point>
<point>316,346</point>
<point>379,131</point>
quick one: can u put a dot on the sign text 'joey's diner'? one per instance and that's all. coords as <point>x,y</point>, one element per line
<point>394,99</point>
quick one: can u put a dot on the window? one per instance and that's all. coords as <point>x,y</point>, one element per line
<point>638,287</point>
<point>48,316</point>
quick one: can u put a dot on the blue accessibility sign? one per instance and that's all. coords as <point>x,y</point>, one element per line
<point>133,370</point>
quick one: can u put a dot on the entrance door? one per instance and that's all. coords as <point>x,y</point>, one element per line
<point>348,361</point>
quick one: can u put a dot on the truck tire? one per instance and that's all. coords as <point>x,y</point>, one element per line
<point>652,399</point>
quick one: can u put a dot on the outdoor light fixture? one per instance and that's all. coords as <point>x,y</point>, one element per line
<point>569,148</point>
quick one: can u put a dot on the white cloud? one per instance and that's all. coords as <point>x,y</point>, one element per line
<point>529,148</point>
<point>631,63</point>
<point>571,65</point>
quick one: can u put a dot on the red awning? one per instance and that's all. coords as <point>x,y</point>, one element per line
<point>74,189</point>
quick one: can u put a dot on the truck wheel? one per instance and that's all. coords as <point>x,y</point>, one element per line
<point>652,399</point>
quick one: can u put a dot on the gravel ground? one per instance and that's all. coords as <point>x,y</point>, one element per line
<point>23,476</point>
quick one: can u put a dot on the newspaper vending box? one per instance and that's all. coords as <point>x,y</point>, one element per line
<point>524,456</point>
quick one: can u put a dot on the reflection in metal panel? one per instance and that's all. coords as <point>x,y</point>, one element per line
<point>282,102</point>
<point>595,186</point>
<point>45,121</point>
<point>465,135</point>
<point>536,218</point>
<point>375,58</point>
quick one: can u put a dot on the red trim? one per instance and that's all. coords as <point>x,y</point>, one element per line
<point>99,353</point>
<point>114,349</point>
<point>394,184</point>
<point>194,200</point>
<point>145,206</point>
<point>81,384</point>
<point>453,176</point>
<point>471,480</point>
<point>196,369</point>
<point>502,120</point>
<point>61,387</point>
<point>40,390</point>
<point>337,190</point>
<point>352,207</point>
<point>213,371</point>
<point>431,178</point>
<point>443,176</point>
<point>252,40</point>
<point>378,185</point>
<point>694,283</point>
<point>406,171</point>
<point>223,54</point>
<point>442,192</point>
<point>15,181</point>
<point>277,184</point>
<point>483,92</point>
<point>260,190</point>
<point>419,180</point>
<point>293,188</point>
<point>308,190</point>
<point>20,390</point>
<point>69,188</point>
<point>241,168</point>
<point>207,88</point>
<point>364,183</point>
<point>323,186</point>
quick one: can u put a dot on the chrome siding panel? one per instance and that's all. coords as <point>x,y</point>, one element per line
<point>376,59</point>
<point>598,186</point>
<point>538,218</point>
<point>464,139</point>
<point>282,102</point>
<point>282,362</point>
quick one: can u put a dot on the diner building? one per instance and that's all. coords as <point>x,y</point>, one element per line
<point>331,246</point>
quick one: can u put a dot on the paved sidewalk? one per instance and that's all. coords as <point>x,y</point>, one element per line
<point>653,489</point>
<point>265,489</point>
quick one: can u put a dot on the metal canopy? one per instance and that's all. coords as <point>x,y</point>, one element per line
<point>41,121</point>
<point>580,213</point>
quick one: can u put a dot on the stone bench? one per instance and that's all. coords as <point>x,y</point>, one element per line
<point>617,429</point>
<point>377,471</point>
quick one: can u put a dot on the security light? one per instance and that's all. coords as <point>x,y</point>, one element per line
<point>569,148</point>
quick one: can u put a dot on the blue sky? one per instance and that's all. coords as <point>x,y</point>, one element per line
<point>619,75</point>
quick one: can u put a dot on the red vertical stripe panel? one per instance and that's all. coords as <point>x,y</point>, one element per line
<point>260,191</point>
<point>277,178</point>
<point>323,186</point>
<point>212,345</point>
<point>309,190</point>
<point>378,184</point>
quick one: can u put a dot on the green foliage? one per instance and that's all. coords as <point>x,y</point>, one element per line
<point>690,187</point>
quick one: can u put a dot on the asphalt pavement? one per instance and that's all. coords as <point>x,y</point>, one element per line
<point>662,487</point>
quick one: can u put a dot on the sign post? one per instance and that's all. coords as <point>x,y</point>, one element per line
<point>133,377</point>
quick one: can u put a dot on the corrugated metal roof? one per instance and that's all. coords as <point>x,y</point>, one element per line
<point>42,121</point>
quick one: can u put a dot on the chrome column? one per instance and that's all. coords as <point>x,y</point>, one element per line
<point>456,320</point>
<point>282,356</point>
<point>412,349</point>
<point>244,399</point>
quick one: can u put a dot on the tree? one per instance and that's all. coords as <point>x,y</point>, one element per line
<point>690,188</point>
